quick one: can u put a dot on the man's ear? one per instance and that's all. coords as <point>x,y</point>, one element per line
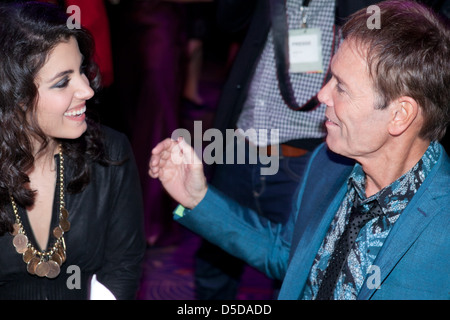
<point>404,111</point>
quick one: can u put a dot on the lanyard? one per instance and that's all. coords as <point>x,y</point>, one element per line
<point>279,30</point>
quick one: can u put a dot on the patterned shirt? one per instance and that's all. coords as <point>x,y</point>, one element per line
<point>264,107</point>
<point>392,199</point>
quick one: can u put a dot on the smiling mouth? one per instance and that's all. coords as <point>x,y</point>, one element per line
<point>75,113</point>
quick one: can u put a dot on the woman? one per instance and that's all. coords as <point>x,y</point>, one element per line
<point>70,203</point>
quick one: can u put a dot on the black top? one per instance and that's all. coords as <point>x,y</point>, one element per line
<point>106,235</point>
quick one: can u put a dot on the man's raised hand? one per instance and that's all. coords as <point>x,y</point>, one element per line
<point>180,171</point>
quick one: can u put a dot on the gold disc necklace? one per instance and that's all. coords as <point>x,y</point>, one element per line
<point>44,263</point>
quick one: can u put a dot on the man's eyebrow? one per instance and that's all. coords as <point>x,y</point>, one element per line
<point>61,74</point>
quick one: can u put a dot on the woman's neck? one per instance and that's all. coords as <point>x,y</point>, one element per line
<point>44,159</point>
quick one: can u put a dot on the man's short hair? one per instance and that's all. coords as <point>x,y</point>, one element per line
<point>409,55</point>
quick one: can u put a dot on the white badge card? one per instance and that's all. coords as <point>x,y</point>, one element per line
<point>305,50</point>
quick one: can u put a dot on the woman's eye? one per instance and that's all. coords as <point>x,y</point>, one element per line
<point>62,84</point>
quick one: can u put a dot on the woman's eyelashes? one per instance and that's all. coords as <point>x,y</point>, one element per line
<point>64,82</point>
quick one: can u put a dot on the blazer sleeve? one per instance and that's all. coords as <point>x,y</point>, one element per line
<point>240,231</point>
<point>125,241</point>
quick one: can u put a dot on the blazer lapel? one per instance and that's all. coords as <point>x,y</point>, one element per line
<point>306,250</point>
<point>316,208</point>
<point>428,201</point>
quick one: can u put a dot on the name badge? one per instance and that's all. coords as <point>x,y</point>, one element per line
<point>305,50</point>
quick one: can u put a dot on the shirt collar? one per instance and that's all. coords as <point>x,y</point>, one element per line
<point>395,196</point>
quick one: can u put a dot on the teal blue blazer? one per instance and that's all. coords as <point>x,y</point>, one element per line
<point>414,262</point>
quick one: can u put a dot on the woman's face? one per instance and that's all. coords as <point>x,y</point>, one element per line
<point>63,90</point>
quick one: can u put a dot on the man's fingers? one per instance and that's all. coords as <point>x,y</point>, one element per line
<point>154,167</point>
<point>187,152</point>
<point>163,145</point>
<point>164,152</point>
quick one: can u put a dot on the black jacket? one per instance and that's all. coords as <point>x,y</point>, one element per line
<point>105,237</point>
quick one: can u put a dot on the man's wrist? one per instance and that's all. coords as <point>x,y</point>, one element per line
<point>199,199</point>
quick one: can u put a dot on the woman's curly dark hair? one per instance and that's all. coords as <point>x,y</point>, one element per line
<point>28,33</point>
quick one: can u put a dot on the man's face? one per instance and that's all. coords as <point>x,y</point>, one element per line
<point>355,128</point>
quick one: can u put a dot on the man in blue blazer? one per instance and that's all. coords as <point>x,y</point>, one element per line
<point>371,216</point>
